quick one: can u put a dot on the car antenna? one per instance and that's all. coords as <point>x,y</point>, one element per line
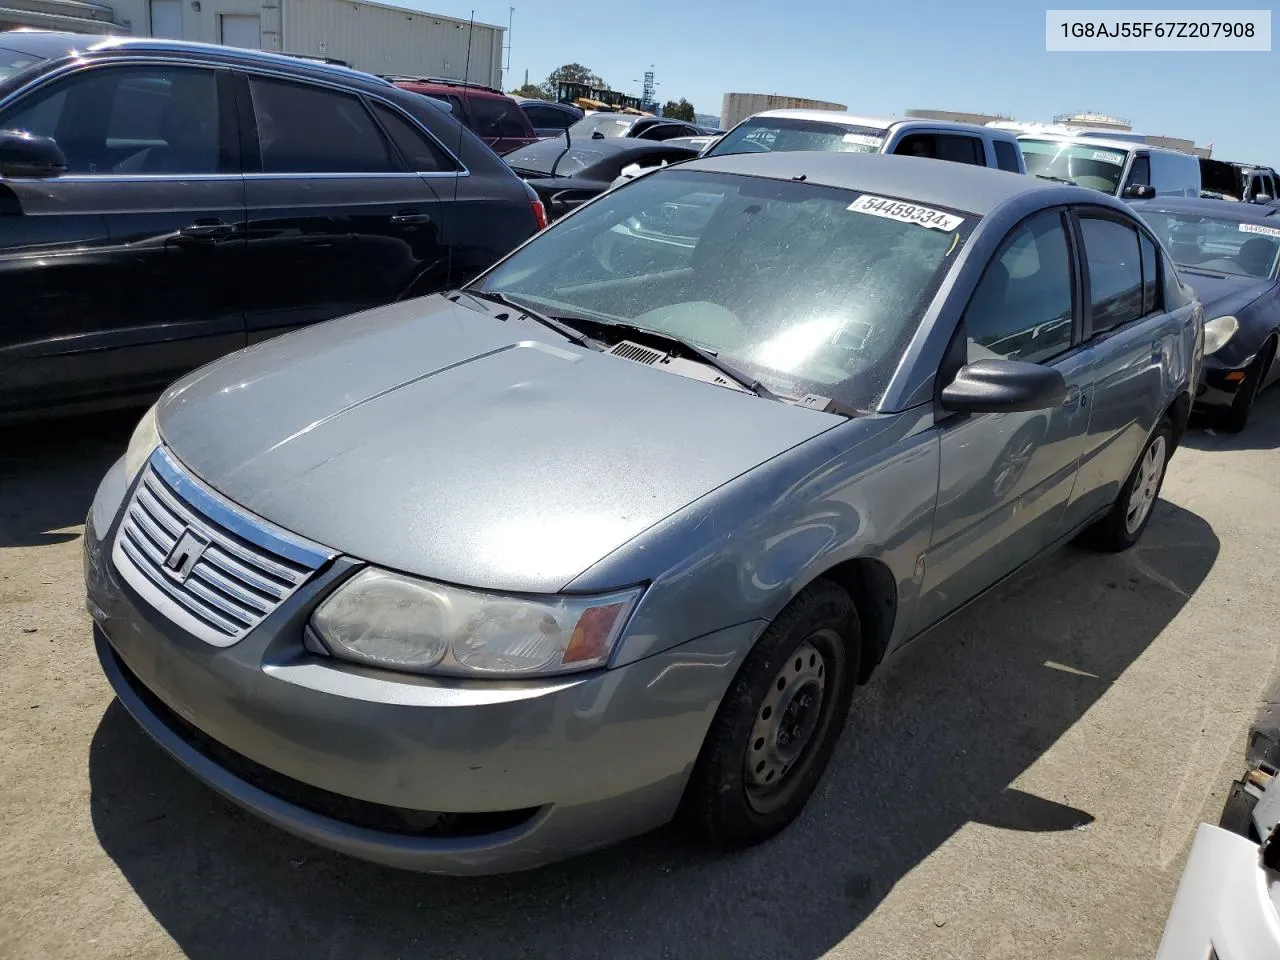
<point>568,145</point>
<point>457,174</point>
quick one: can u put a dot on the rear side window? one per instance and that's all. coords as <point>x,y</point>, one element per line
<point>306,129</point>
<point>491,117</point>
<point>943,146</point>
<point>1114,262</point>
<point>418,150</point>
<point>1006,155</point>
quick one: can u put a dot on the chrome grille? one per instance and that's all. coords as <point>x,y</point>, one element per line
<point>210,568</point>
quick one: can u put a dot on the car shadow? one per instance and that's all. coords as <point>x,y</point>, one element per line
<point>933,743</point>
<point>1261,433</point>
<point>49,472</point>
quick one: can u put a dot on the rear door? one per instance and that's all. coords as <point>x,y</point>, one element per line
<point>126,271</point>
<point>339,217</point>
<point>1134,340</point>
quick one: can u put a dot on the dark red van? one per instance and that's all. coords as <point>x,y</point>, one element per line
<point>491,114</point>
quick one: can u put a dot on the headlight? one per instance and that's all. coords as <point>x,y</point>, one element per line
<point>1217,332</point>
<point>143,443</point>
<point>388,620</point>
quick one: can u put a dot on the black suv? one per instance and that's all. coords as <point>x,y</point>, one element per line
<point>163,203</point>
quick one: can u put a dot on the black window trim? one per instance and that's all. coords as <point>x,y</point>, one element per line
<point>1091,212</point>
<point>249,128</point>
<point>418,127</point>
<point>227,112</point>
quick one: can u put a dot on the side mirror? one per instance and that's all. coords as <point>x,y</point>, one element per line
<point>1262,198</point>
<point>1004,386</point>
<point>25,155</point>
<point>1138,191</point>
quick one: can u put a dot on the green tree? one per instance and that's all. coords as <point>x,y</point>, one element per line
<point>530,91</point>
<point>570,73</point>
<point>680,109</point>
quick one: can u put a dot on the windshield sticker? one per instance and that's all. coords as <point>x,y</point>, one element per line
<point>906,213</point>
<point>863,139</point>
<point>1258,228</point>
<point>1116,158</point>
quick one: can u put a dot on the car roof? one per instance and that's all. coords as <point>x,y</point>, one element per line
<point>978,190</point>
<point>1109,142</point>
<point>883,123</point>
<point>437,86</point>
<point>1221,209</point>
<point>54,45</point>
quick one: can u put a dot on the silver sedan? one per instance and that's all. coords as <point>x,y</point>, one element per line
<point>612,535</point>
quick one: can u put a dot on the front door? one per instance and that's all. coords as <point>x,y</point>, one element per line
<point>1005,479</point>
<point>124,273</point>
<point>340,219</point>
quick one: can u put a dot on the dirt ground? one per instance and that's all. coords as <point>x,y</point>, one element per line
<point>1024,783</point>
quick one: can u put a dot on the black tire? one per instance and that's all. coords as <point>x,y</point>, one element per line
<point>1114,532</point>
<point>1237,812</point>
<point>817,635</point>
<point>1236,419</point>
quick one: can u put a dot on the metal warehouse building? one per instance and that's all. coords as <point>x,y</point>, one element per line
<point>375,37</point>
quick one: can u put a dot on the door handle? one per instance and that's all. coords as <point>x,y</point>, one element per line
<point>1074,396</point>
<point>409,218</point>
<point>207,230</point>
<point>1157,351</point>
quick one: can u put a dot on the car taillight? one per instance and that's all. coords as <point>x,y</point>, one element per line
<point>539,213</point>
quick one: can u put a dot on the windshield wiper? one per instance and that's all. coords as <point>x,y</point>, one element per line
<point>559,326</point>
<point>706,356</point>
<point>1045,176</point>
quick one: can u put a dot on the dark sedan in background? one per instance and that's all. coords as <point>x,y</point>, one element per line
<point>1230,253</point>
<point>566,174</point>
<point>549,119</point>
<point>162,204</point>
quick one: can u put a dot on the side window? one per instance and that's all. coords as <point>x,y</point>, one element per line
<point>1022,308</point>
<point>545,117</point>
<point>306,129</point>
<point>131,120</point>
<point>1150,276</point>
<point>1006,155</point>
<point>497,118</point>
<point>918,145</point>
<point>1114,263</point>
<point>1140,172</point>
<point>961,150</point>
<point>421,154</point>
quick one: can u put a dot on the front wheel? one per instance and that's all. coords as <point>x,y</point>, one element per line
<point>779,722</point>
<point>1236,418</point>
<point>1122,527</point>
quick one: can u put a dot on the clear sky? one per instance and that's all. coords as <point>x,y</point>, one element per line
<point>884,57</point>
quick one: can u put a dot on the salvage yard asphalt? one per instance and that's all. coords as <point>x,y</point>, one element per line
<point>1024,782</point>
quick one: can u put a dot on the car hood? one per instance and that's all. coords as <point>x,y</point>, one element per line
<point>435,439</point>
<point>1220,295</point>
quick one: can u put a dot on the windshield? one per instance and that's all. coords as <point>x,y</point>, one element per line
<point>1098,168</point>
<point>769,134</point>
<point>1217,244</point>
<point>605,124</point>
<point>810,289</point>
<point>13,62</point>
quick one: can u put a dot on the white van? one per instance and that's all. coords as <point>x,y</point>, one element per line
<point>828,130</point>
<point>1121,168</point>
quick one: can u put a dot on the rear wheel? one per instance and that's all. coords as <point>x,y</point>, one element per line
<point>776,728</point>
<point>1122,527</point>
<point>1235,419</point>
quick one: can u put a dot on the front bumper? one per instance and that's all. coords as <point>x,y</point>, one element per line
<point>1215,390</point>
<point>432,774</point>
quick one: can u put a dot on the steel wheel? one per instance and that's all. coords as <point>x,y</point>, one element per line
<point>785,723</point>
<point>1143,495</point>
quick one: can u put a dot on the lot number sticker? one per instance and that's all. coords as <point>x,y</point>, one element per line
<point>1115,158</point>
<point>863,139</point>
<point>1258,228</point>
<point>906,213</point>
